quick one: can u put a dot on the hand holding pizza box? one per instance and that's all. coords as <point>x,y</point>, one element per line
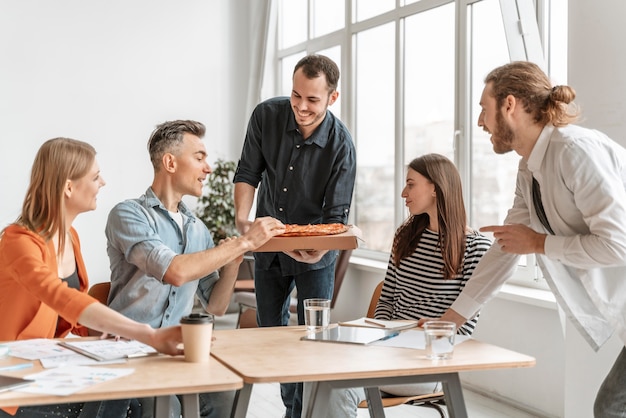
<point>314,237</point>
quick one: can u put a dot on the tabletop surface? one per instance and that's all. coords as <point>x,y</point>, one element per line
<point>152,376</point>
<point>277,354</point>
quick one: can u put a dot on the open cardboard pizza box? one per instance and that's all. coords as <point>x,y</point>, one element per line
<point>348,240</point>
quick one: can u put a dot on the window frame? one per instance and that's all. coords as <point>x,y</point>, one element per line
<point>526,24</point>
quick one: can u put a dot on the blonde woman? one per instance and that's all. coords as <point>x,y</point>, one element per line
<point>43,280</point>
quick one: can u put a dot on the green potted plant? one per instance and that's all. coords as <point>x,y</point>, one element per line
<point>216,206</point>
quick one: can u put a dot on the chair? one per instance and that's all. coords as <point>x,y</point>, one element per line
<point>100,291</point>
<point>433,400</point>
<point>246,299</point>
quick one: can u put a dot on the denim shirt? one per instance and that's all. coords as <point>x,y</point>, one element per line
<point>142,241</point>
<point>302,181</point>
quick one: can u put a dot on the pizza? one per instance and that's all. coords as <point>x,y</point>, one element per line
<point>293,230</point>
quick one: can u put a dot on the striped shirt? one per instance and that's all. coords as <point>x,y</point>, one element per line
<point>416,288</point>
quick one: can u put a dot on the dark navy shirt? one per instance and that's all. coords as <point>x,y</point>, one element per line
<point>301,181</point>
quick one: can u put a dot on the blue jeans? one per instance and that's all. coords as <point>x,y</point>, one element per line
<point>273,292</point>
<point>121,408</point>
<point>611,398</point>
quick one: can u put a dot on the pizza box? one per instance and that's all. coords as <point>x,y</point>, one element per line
<point>345,241</point>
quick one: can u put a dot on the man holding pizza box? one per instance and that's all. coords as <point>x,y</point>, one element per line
<point>303,161</point>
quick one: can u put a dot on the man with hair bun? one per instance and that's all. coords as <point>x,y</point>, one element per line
<point>569,209</point>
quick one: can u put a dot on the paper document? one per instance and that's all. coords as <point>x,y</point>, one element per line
<point>111,349</point>
<point>64,381</point>
<point>380,323</point>
<point>36,349</point>
<point>72,358</point>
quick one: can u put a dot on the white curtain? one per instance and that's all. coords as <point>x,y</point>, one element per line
<point>261,16</point>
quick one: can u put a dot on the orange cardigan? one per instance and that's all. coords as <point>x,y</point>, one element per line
<point>32,297</point>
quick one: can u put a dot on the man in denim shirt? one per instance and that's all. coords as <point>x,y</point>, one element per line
<point>304,159</point>
<point>161,255</point>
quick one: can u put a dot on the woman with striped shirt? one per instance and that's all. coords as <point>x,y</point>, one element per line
<point>432,258</point>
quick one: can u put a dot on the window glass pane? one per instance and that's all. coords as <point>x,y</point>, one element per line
<point>364,9</point>
<point>334,54</point>
<point>429,83</point>
<point>292,17</point>
<point>328,16</point>
<point>558,41</point>
<point>493,176</point>
<point>287,65</point>
<point>374,135</point>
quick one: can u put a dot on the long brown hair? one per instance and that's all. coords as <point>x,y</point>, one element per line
<point>58,160</point>
<point>450,213</point>
<point>528,83</point>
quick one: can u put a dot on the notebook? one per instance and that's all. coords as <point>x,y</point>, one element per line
<point>11,382</point>
<point>397,324</point>
<point>350,335</point>
<point>110,349</point>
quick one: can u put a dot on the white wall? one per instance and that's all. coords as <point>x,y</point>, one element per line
<point>107,73</point>
<point>597,65</point>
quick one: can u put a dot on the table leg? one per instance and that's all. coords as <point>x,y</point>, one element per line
<point>162,406</point>
<point>191,406</point>
<point>242,400</point>
<point>308,399</point>
<point>374,402</point>
<point>316,406</point>
<point>453,392</point>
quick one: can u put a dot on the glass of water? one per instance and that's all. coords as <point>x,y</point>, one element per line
<point>316,314</point>
<point>439,337</point>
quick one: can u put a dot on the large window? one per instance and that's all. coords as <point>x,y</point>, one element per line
<point>412,75</point>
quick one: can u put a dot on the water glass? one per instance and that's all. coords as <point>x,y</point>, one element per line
<point>316,314</point>
<point>439,337</point>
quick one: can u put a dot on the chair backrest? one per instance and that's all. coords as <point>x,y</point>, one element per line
<point>100,291</point>
<point>374,300</point>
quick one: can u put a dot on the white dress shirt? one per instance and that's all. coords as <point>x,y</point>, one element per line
<point>582,174</point>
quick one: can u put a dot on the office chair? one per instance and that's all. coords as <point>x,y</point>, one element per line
<point>100,291</point>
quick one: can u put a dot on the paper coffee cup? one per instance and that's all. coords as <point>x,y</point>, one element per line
<point>197,332</point>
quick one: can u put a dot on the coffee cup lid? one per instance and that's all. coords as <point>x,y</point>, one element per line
<point>196,318</point>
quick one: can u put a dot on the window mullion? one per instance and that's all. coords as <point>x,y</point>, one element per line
<point>461,134</point>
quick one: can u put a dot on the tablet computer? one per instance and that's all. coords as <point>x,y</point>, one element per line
<point>350,335</point>
<point>12,382</point>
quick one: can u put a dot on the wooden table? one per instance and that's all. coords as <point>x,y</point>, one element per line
<point>261,355</point>
<point>158,376</point>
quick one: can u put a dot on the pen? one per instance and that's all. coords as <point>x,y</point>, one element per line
<point>16,367</point>
<point>386,337</point>
<point>378,324</point>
